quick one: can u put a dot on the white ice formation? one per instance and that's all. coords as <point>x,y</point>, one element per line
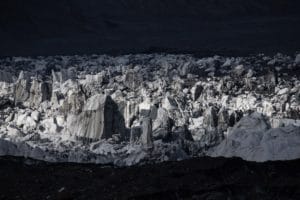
<point>150,108</point>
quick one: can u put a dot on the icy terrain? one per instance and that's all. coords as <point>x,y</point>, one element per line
<point>150,108</point>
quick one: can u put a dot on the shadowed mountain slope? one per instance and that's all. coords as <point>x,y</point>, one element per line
<point>47,27</point>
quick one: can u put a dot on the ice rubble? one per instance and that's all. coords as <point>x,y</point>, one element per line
<point>253,139</point>
<point>149,108</point>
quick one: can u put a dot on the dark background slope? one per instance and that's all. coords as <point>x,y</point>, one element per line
<point>48,27</point>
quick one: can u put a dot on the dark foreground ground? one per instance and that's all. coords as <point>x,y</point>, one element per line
<point>204,178</point>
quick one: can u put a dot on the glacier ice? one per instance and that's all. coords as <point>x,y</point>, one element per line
<point>142,108</point>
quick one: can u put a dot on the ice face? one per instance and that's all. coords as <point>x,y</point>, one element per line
<point>149,108</point>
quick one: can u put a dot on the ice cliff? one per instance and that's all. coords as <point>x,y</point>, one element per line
<point>150,107</point>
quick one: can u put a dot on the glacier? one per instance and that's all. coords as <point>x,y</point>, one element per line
<point>145,108</point>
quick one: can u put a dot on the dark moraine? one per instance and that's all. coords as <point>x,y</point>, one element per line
<point>203,178</point>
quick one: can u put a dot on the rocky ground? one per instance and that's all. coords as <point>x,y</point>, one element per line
<point>203,178</point>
